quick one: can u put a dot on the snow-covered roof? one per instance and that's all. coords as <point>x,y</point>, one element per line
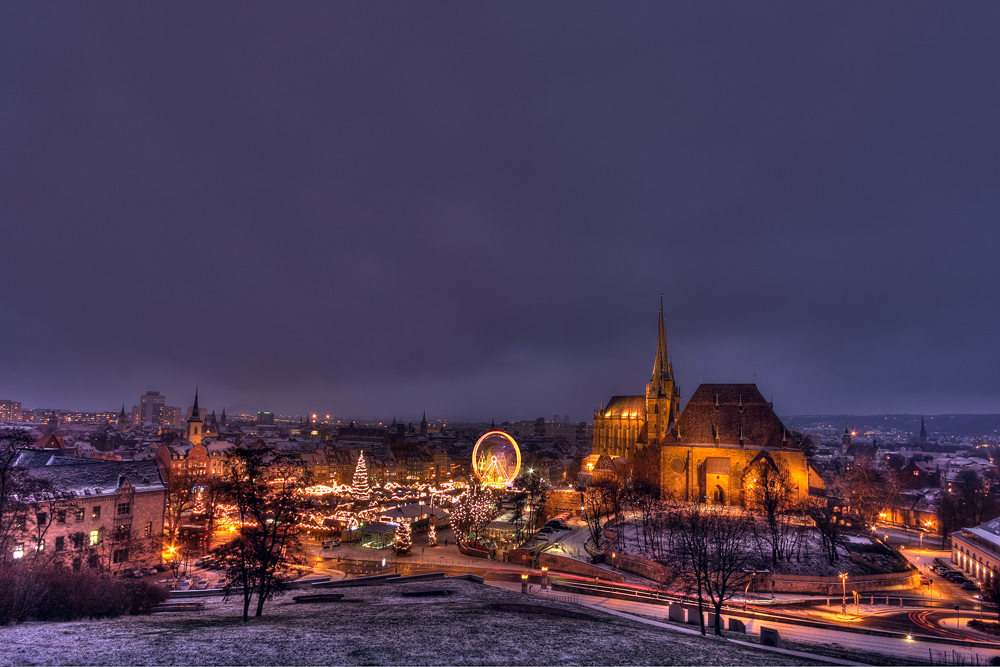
<point>88,477</point>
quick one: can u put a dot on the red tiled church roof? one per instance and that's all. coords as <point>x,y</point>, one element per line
<point>730,414</point>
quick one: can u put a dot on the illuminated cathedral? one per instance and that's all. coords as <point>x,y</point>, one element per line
<point>707,453</point>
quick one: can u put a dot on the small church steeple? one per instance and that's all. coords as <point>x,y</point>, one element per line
<point>423,423</point>
<point>194,428</point>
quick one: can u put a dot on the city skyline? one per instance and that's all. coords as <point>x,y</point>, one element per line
<point>474,213</point>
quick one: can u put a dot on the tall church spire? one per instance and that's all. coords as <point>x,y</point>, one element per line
<point>661,366</point>
<point>195,413</point>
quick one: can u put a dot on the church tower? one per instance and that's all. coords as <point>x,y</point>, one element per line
<point>663,398</point>
<point>195,432</point>
<point>122,420</point>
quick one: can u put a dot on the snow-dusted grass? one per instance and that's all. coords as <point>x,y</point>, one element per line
<point>809,560</point>
<point>383,628</point>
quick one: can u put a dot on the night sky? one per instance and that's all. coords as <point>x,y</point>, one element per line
<point>472,208</point>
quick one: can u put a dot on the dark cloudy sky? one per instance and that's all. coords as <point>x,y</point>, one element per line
<point>472,208</point>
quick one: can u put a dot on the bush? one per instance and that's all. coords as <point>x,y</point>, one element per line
<point>51,593</point>
<point>984,626</point>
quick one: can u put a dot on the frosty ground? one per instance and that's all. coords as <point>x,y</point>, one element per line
<point>475,625</point>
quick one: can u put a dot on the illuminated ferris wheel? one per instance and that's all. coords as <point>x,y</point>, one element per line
<point>496,459</point>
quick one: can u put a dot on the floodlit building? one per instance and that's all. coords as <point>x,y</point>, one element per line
<point>109,516</point>
<point>977,550</point>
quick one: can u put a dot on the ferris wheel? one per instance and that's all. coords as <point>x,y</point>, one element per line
<point>496,459</point>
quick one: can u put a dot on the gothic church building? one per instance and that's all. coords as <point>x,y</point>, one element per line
<point>707,453</point>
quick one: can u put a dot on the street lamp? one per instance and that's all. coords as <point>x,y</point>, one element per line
<point>843,599</point>
<point>524,584</point>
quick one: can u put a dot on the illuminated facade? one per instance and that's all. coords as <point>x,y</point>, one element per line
<point>629,423</point>
<point>725,431</point>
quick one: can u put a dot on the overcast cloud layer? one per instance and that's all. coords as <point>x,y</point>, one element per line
<point>472,208</point>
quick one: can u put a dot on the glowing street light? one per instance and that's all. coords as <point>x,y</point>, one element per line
<point>843,599</point>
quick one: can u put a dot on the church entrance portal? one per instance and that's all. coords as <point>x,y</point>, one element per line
<point>718,496</point>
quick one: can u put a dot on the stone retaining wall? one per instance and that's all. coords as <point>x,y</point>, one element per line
<point>475,553</point>
<point>563,564</point>
<point>644,568</point>
<point>893,581</point>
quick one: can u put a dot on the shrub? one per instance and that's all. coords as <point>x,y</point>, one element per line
<point>29,591</point>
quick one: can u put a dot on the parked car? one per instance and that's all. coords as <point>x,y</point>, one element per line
<point>201,561</point>
<point>546,530</point>
<point>925,580</point>
<point>543,538</point>
<point>150,570</point>
<point>202,584</point>
<point>330,544</point>
<point>183,585</point>
<point>137,573</point>
<point>969,586</point>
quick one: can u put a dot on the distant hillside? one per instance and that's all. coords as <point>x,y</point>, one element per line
<point>958,425</point>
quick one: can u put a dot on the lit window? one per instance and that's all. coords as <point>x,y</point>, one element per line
<point>95,537</point>
<point>96,514</point>
<point>19,550</point>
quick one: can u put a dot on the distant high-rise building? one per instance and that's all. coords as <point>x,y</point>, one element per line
<point>151,408</point>
<point>172,416</point>
<point>10,411</point>
<point>265,418</point>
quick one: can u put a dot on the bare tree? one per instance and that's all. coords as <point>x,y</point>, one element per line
<point>769,495</point>
<point>267,491</point>
<point>601,500</point>
<point>870,488</point>
<point>13,514</point>
<point>180,499</point>
<point>714,552</point>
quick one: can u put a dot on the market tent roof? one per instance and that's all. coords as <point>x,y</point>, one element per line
<point>378,528</point>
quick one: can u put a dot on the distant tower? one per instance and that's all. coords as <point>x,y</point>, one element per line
<point>845,442</point>
<point>122,420</point>
<point>663,398</point>
<point>423,423</point>
<point>923,432</point>
<point>195,432</point>
<point>222,419</point>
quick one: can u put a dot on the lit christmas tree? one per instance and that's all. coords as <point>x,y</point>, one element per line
<point>432,533</point>
<point>361,491</point>
<point>403,539</point>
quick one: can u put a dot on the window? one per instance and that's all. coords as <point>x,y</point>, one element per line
<point>95,537</point>
<point>19,550</point>
<point>78,514</point>
<point>123,532</point>
<point>61,516</point>
<point>148,530</point>
<point>96,514</point>
<point>60,543</point>
<point>19,523</point>
<point>41,519</point>
<point>124,509</point>
<point>77,540</point>
<point>119,556</point>
<point>94,561</point>
<point>40,547</point>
